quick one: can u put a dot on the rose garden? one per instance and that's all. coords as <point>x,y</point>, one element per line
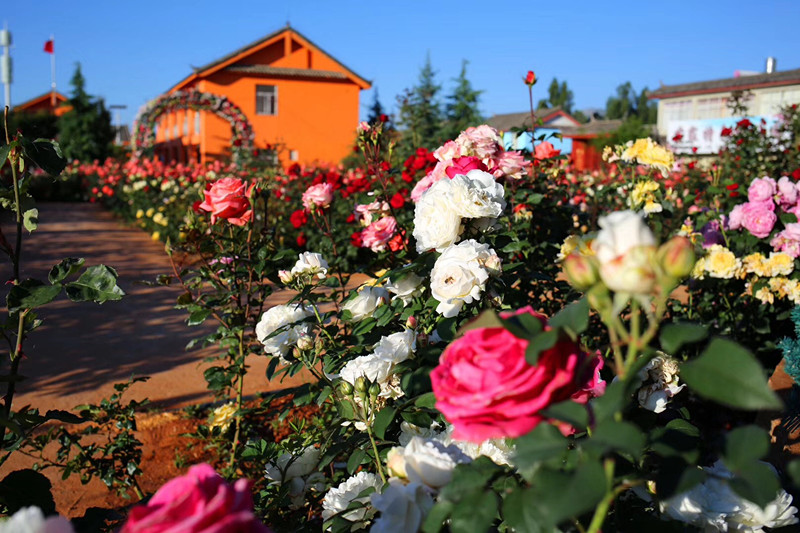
<point>490,339</point>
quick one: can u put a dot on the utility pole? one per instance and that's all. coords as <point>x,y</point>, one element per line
<point>5,62</point>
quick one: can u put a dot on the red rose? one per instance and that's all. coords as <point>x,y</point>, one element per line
<point>397,201</point>
<point>796,174</point>
<point>530,79</point>
<point>462,165</point>
<point>356,240</point>
<point>725,132</point>
<point>545,150</point>
<point>301,240</point>
<point>486,389</point>
<point>228,199</point>
<point>299,218</point>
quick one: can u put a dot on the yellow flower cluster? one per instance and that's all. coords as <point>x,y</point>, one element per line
<point>718,263</point>
<point>573,243</point>
<point>643,195</point>
<point>222,417</point>
<point>647,152</point>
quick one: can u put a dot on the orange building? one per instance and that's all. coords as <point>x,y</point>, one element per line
<point>50,103</point>
<point>296,96</point>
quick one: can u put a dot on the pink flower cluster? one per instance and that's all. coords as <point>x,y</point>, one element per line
<point>758,214</point>
<point>476,148</point>
<point>380,229</point>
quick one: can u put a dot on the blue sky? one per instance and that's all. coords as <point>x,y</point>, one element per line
<point>131,52</point>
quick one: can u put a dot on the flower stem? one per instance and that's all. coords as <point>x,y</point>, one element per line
<point>601,510</point>
<point>239,398</point>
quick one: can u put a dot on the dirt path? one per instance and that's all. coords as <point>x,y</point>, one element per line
<point>82,349</point>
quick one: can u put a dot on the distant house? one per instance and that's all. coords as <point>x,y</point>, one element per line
<point>586,154</point>
<point>50,103</point>
<point>297,97</point>
<point>553,120</point>
<point>692,115</point>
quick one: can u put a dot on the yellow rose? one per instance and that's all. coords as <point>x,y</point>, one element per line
<point>779,263</point>
<point>721,263</point>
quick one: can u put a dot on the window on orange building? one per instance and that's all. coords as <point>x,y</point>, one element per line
<point>266,100</point>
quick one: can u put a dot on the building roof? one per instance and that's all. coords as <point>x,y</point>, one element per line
<point>594,128</point>
<point>283,72</point>
<point>228,60</point>
<point>507,121</point>
<point>42,98</point>
<point>784,77</point>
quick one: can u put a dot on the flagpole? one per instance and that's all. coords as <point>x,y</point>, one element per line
<point>53,73</point>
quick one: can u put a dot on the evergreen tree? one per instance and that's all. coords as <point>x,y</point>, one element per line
<point>420,114</point>
<point>461,110</point>
<point>376,110</point>
<point>626,104</point>
<point>85,132</point>
<point>558,95</point>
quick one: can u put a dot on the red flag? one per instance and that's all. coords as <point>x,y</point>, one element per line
<point>48,47</point>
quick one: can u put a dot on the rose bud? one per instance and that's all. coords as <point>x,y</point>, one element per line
<point>530,79</point>
<point>374,390</point>
<point>581,271</point>
<point>285,276</point>
<point>345,388</point>
<point>361,384</point>
<point>411,322</point>
<point>676,257</point>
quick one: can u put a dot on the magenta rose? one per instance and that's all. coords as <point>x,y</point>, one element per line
<point>319,196</point>
<point>761,190</point>
<point>486,389</point>
<point>376,235</point>
<point>758,219</point>
<point>200,501</point>
<point>228,199</point>
<point>462,165</point>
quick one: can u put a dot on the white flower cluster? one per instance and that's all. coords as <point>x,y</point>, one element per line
<point>660,383</point>
<point>714,506</point>
<point>339,498</point>
<point>299,472</point>
<point>365,302</point>
<point>377,367</point>
<point>309,265</point>
<point>278,330</point>
<point>438,214</point>
<point>459,275</point>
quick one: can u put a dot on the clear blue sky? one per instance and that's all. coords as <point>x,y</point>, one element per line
<point>131,52</point>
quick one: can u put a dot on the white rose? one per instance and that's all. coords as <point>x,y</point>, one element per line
<point>477,195</point>
<point>619,232</point>
<point>281,317</point>
<point>375,367</point>
<point>405,288</point>
<point>32,520</point>
<point>437,224</point>
<point>713,505</point>
<point>337,499</point>
<point>408,431</point>
<point>403,507</point>
<point>289,466</point>
<point>498,450</point>
<point>459,277</point>
<point>431,463</point>
<point>310,264</point>
<point>366,301</point>
<point>397,347</point>
<point>660,378</point>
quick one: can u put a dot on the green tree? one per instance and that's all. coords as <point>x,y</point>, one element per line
<point>376,110</point>
<point>627,104</point>
<point>420,113</point>
<point>461,110</point>
<point>558,95</point>
<point>85,131</point>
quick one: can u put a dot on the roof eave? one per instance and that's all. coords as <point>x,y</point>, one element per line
<point>724,89</point>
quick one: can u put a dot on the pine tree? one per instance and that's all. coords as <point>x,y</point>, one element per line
<point>420,114</point>
<point>462,108</point>
<point>558,95</point>
<point>85,132</point>
<point>376,110</point>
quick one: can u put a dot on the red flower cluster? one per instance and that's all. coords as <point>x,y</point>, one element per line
<point>418,165</point>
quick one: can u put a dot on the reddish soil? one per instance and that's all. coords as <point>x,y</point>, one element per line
<point>81,350</point>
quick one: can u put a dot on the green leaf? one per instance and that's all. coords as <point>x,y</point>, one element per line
<point>437,516</point>
<point>514,246</point>
<point>744,445</point>
<point>610,403</point>
<point>673,336</point>
<point>474,513</point>
<point>729,374</point>
<point>31,293</point>
<point>573,318</point>
<point>382,420</point>
<point>561,496</point>
<point>198,317</point>
<point>523,325</point>
<point>538,344</point>
<point>357,458</point>
<point>756,482</point>
<point>569,411</point>
<point>67,267</point>
<point>98,284</point>
<point>30,219</point>
<point>4,151</point>
<point>617,437</point>
<point>427,400</point>
<point>520,513</point>
<point>46,154</point>
<point>794,471</point>
<point>544,443</point>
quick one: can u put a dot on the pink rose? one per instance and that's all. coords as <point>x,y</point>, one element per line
<point>377,234</point>
<point>319,196</point>
<point>545,150</point>
<point>788,240</point>
<point>228,199</point>
<point>363,212</point>
<point>462,165</point>
<point>200,501</point>
<point>735,217</point>
<point>482,141</point>
<point>758,219</point>
<point>486,389</point>
<point>439,172</point>
<point>787,192</point>
<point>446,152</point>
<point>510,164</point>
<point>761,190</point>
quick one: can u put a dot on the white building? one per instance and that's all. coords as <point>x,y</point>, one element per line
<point>692,115</point>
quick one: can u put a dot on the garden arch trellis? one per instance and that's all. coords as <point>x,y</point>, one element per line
<point>144,126</point>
